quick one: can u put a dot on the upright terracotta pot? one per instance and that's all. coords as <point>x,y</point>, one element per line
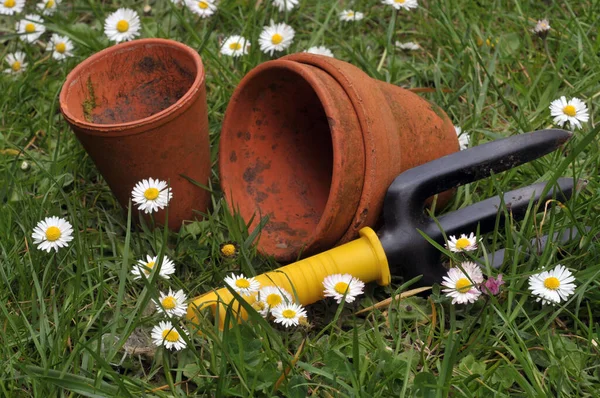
<point>139,110</point>
<point>313,143</point>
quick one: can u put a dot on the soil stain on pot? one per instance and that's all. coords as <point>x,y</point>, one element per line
<point>135,88</point>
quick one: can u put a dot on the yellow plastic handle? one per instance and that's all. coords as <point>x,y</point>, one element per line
<point>362,258</point>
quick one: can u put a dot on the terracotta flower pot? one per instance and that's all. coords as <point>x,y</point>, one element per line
<point>314,143</point>
<point>139,110</point>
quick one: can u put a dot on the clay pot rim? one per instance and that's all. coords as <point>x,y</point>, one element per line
<point>306,73</point>
<point>140,125</point>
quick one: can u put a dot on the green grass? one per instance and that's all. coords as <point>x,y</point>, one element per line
<point>70,321</point>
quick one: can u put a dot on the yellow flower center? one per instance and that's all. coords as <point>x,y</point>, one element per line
<point>273,299</point>
<point>169,303</point>
<point>289,314</point>
<point>16,66</point>
<point>170,335</point>
<point>9,3</point>
<point>276,39</point>
<point>258,305</point>
<point>50,4</point>
<point>463,285</point>
<point>151,193</point>
<point>228,250</point>
<point>60,47</point>
<point>30,28</point>
<point>235,46</point>
<point>341,287</point>
<point>551,283</point>
<point>149,267</point>
<point>122,26</point>
<point>462,243</point>
<point>203,5</point>
<point>399,1</point>
<point>52,233</point>
<point>570,110</point>
<point>350,14</point>
<point>242,283</point>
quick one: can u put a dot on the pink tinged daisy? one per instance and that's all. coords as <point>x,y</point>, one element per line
<point>122,25</point>
<point>48,7</point>
<point>146,268</point>
<point>542,27</point>
<point>235,46</point>
<point>320,50</point>
<point>61,47</point>
<point>16,61</point>
<point>272,296</point>
<point>172,303</point>
<point>151,195</point>
<point>492,285</point>
<point>11,7</point>
<point>52,233</point>
<point>344,287</point>
<point>351,15</point>
<point>203,8</point>
<point>463,138</point>
<point>573,111</point>
<point>166,335</point>
<point>552,287</point>
<point>244,286</point>
<point>463,244</point>
<point>401,4</point>
<point>285,5</point>
<point>288,314</point>
<point>276,37</point>
<point>461,284</point>
<point>30,28</point>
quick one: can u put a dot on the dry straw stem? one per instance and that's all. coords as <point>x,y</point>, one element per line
<point>400,296</point>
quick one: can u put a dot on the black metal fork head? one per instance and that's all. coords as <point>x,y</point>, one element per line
<point>409,253</point>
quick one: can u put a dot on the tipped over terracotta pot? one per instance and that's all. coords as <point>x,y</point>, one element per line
<point>139,110</point>
<point>314,143</point>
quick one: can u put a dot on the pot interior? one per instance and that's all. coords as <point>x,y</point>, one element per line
<point>277,157</point>
<point>131,83</point>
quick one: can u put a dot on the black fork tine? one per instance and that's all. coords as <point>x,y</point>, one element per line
<point>408,252</point>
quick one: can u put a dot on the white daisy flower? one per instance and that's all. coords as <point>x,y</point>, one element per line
<point>16,61</point>
<point>61,47</point>
<point>276,37</point>
<point>146,267</point>
<point>542,27</point>
<point>320,50</point>
<point>398,4</point>
<point>172,303</point>
<point>52,233</point>
<point>151,195</point>
<point>235,46</point>
<point>11,7</point>
<point>338,285</point>
<point>463,244</point>
<point>462,286</point>
<point>408,46</point>
<point>165,334</point>
<point>573,111</point>
<point>122,25</point>
<point>30,28</point>
<point>203,8</point>
<point>244,286</point>
<point>552,287</point>
<point>464,140</point>
<point>272,296</point>
<point>288,314</point>
<point>48,7</point>
<point>351,15</point>
<point>285,5</point>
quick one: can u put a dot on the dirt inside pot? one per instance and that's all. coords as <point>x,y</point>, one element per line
<point>133,84</point>
<point>280,158</point>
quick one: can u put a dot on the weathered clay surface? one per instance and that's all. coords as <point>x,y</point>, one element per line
<point>313,143</point>
<point>139,110</point>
